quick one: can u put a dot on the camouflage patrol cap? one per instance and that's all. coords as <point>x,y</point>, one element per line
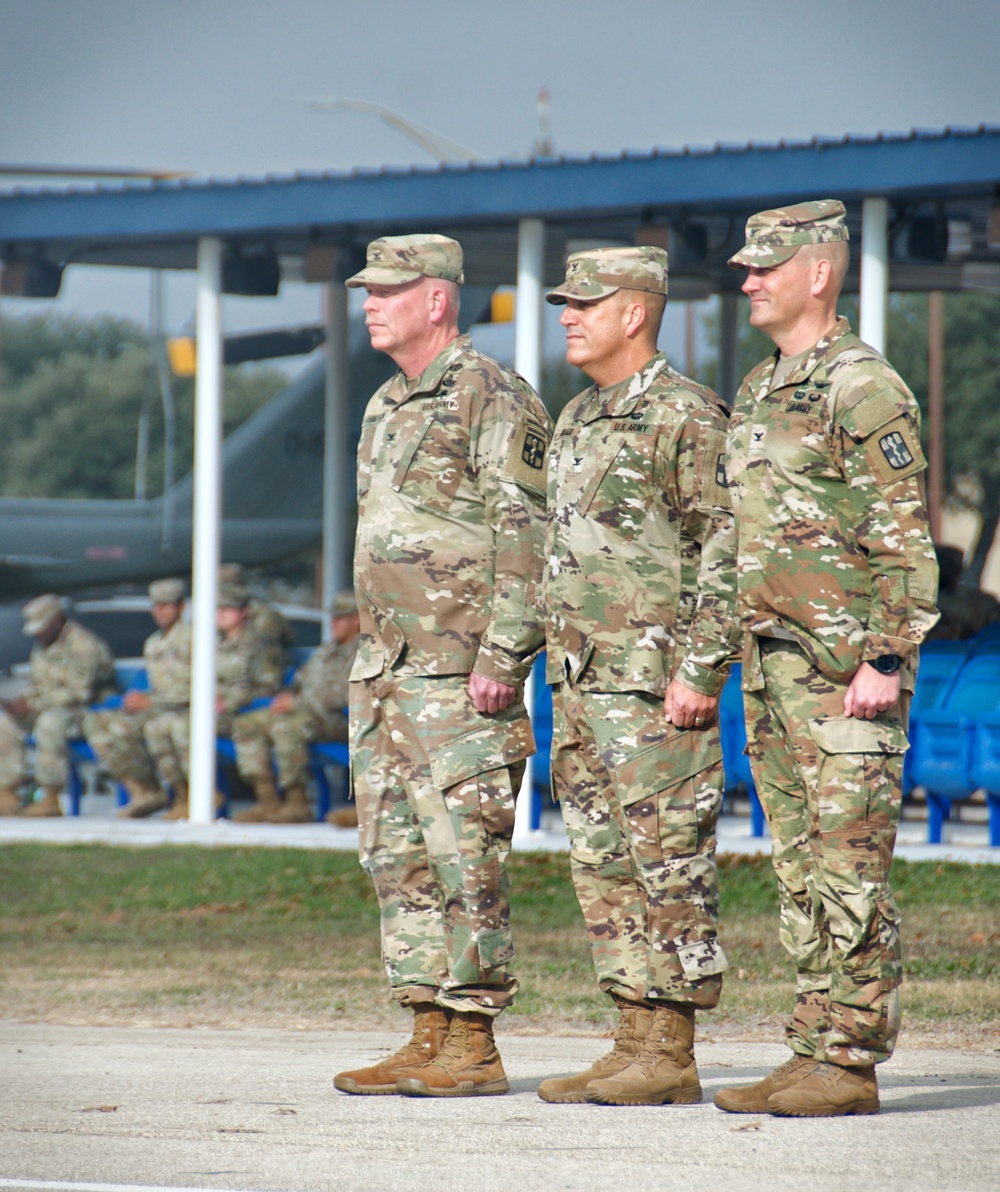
<point>231,573</point>
<point>344,603</point>
<point>777,235</point>
<point>233,595</point>
<point>599,272</point>
<point>167,591</point>
<point>395,260</point>
<point>38,613</point>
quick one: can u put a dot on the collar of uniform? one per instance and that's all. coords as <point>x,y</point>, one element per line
<point>618,401</point>
<point>809,365</point>
<point>430,379</point>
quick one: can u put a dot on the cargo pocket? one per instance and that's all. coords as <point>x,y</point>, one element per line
<point>656,790</point>
<point>890,953</point>
<point>702,958</point>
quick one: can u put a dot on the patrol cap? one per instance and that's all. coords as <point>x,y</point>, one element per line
<point>777,235</point>
<point>344,603</point>
<point>231,573</point>
<point>233,595</point>
<point>167,591</point>
<point>599,272</point>
<point>39,612</point>
<point>395,260</point>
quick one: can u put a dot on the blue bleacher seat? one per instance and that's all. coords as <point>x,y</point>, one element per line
<point>541,723</point>
<point>945,742</point>
<point>732,728</point>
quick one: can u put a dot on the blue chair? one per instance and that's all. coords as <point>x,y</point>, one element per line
<point>541,723</point>
<point>321,755</point>
<point>985,769</point>
<point>945,740</point>
<point>940,663</point>
<point>733,730</point>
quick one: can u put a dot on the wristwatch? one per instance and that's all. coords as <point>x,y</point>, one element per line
<point>886,664</point>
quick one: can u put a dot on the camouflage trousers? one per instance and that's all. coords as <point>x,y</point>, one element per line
<point>289,734</point>
<point>168,740</point>
<point>831,788</point>
<point>51,728</point>
<point>119,740</point>
<point>640,800</point>
<point>435,783</point>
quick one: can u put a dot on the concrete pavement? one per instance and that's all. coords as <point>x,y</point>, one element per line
<point>965,840</point>
<point>107,1108</point>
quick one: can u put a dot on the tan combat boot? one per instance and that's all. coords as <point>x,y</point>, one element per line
<point>468,1065</point>
<point>430,1028</point>
<point>664,1071</point>
<point>294,808</point>
<point>266,803</point>
<point>630,1031</point>
<point>143,800</point>
<point>345,817</point>
<point>10,804</point>
<point>179,807</point>
<point>47,805</point>
<point>828,1090</point>
<point>752,1098</point>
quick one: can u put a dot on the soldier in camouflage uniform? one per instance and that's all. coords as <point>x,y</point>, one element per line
<point>837,581</point>
<point>451,490</point>
<point>639,593</point>
<point>314,708</point>
<point>265,620</point>
<point>70,668</point>
<point>138,742</point>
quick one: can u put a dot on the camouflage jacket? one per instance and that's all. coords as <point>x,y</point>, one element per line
<point>640,581</point>
<point>321,681</point>
<point>75,670</point>
<point>825,478</point>
<point>451,488</point>
<point>248,666</point>
<point>168,666</point>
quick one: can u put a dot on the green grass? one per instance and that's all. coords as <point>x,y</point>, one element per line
<point>285,937</point>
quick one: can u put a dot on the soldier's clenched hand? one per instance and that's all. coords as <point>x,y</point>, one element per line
<point>685,708</point>
<point>870,693</point>
<point>490,695</point>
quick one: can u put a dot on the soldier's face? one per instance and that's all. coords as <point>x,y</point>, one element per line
<point>166,615</point>
<point>397,316</point>
<point>230,619</point>
<point>778,296</point>
<point>595,333</point>
<point>345,628</point>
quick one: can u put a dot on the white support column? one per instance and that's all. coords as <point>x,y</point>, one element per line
<point>729,332</point>
<point>334,443</point>
<point>874,272</point>
<point>207,527</point>
<point>528,362</point>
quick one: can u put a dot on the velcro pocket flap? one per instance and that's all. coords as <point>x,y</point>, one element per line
<point>679,754</point>
<point>487,747</point>
<point>847,735</point>
<point>870,413</point>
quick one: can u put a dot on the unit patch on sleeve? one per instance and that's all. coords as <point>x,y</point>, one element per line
<point>895,450</point>
<point>526,462</point>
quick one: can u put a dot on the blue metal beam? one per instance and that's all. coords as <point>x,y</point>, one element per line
<point>925,165</point>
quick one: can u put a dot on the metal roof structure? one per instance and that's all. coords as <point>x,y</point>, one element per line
<point>942,187</point>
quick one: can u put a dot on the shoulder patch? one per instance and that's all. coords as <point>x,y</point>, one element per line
<point>711,467</point>
<point>893,452</point>
<point>525,463</point>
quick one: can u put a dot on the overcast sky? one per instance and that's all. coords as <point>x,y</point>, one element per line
<point>221,87</point>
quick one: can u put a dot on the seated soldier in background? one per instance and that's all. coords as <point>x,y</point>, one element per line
<point>314,708</point>
<point>249,667</point>
<point>70,669</point>
<point>265,620</point>
<point>146,761</point>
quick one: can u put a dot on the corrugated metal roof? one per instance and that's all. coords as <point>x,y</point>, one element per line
<point>432,169</point>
